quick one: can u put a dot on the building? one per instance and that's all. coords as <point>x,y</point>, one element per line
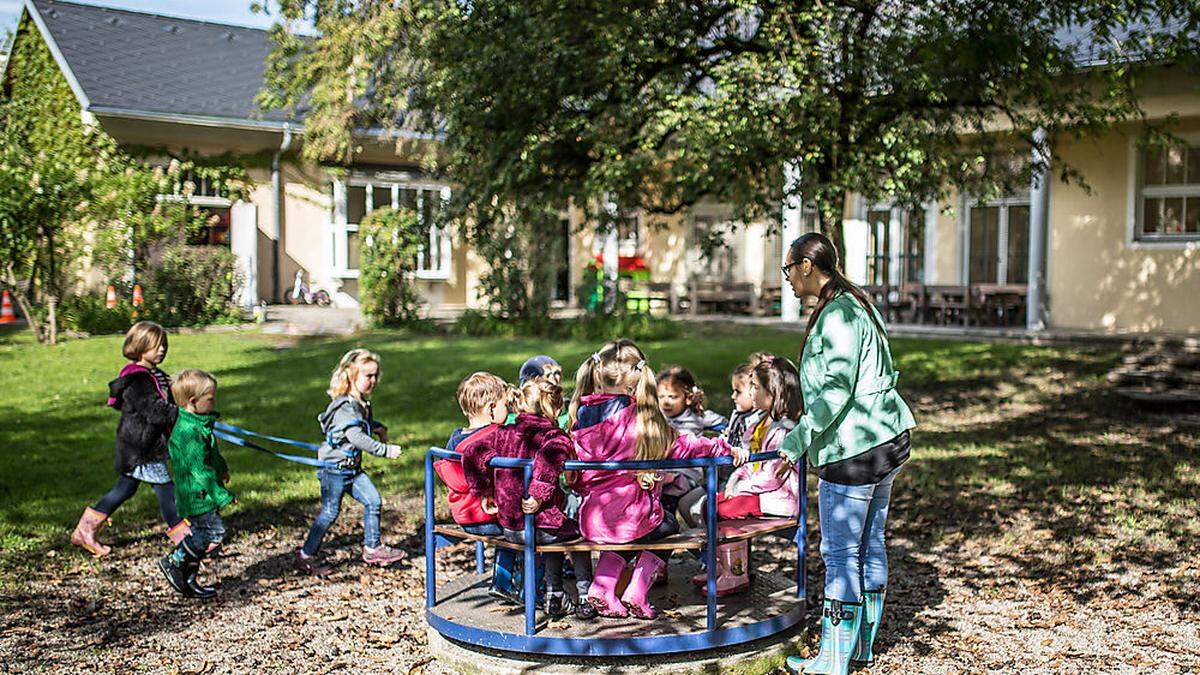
<point>1124,258</point>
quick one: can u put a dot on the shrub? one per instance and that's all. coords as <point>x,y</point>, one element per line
<point>390,240</point>
<point>191,286</point>
<point>590,327</point>
<point>88,314</point>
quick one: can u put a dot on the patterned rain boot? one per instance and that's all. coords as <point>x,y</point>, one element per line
<point>602,593</point>
<point>85,532</point>
<point>647,567</point>
<point>840,623</point>
<point>179,532</point>
<point>872,615</point>
<point>178,566</point>
<point>733,570</point>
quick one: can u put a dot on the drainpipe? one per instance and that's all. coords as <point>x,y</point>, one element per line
<point>277,216</point>
<point>1039,214</point>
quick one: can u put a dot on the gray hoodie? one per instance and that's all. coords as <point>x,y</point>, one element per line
<point>347,424</point>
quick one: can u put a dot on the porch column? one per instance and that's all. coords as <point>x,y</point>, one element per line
<point>793,210</point>
<point>611,253</point>
<point>1039,213</point>
<point>243,243</point>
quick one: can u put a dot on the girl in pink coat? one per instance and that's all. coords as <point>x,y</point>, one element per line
<point>615,417</point>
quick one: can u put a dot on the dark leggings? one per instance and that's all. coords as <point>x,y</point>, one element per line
<point>669,526</point>
<point>126,487</point>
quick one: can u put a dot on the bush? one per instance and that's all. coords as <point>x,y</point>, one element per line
<point>590,327</point>
<point>191,286</point>
<point>390,240</point>
<point>88,314</point>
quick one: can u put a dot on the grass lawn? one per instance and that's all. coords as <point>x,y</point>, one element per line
<point>1043,524</point>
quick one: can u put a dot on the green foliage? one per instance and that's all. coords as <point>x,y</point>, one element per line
<point>192,286</point>
<point>390,240</point>
<point>659,105</point>
<point>88,314</point>
<point>589,327</point>
<point>72,199</point>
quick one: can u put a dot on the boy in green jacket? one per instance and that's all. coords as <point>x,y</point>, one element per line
<point>200,478</point>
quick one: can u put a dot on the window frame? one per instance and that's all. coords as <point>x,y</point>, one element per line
<point>1136,194</point>
<point>341,227</point>
<point>1004,206</point>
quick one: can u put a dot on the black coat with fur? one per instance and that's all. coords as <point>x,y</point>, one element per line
<point>146,420</point>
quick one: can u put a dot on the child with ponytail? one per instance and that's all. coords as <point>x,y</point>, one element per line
<point>348,426</point>
<point>614,417</point>
<point>534,434</point>
<point>761,489</point>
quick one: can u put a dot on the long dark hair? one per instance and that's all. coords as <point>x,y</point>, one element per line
<point>823,255</point>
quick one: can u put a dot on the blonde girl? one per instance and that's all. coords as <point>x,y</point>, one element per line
<point>348,426</point>
<point>614,417</point>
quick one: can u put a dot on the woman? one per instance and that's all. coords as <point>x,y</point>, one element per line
<point>854,430</point>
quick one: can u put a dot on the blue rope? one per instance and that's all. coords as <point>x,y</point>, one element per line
<point>229,428</point>
<point>308,461</point>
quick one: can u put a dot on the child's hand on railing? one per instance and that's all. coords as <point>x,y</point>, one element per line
<point>740,455</point>
<point>783,468</point>
<point>488,504</point>
<point>530,505</point>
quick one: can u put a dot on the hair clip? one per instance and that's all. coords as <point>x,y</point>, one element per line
<point>596,357</point>
<point>640,364</point>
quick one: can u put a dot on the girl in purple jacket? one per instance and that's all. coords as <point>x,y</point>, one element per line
<point>614,417</point>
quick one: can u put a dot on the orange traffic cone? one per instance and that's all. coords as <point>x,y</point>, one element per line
<point>6,310</point>
<point>137,295</point>
<point>110,298</point>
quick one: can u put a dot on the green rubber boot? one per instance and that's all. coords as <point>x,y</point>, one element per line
<point>840,623</point>
<point>872,615</point>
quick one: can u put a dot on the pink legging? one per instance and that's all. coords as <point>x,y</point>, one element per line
<point>738,507</point>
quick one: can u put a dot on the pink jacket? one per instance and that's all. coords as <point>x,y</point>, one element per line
<point>776,496</point>
<point>615,508</point>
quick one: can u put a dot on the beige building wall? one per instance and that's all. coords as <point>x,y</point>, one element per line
<point>1098,277</point>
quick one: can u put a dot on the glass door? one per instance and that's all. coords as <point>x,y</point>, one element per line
<point>998,246</point>
<point>879,251</point>
<point>1016,271</point>
<point>985,245</point>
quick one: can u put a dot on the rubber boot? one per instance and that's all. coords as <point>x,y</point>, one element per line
<point>86,530</point>
<point>602,593</point>
<point>872,615</point>
<point>647,567</point>
<point>175,567</point>
<point>840,623</point>
<point>504,587</point>
<point>179,532</point>
<point>198,589</point>
<point>733,569</point>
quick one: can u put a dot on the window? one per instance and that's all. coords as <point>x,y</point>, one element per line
<point>998,242</point>
<point>212,203</point>
<point>895,246</point>
<point>353,201</point>
<point>629,237</point>
<point>1168,204</point>
<point>879,252</point>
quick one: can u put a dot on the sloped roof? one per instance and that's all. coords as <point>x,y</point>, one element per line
<point>120,61</point>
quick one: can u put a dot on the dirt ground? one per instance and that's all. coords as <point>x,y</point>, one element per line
<point>1062,538</point>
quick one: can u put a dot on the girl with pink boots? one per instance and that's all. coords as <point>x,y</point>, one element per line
<point>615,417</point>
<point>761,489</point>
<point>142,394</point>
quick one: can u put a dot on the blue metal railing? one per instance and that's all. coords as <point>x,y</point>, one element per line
<point>708,464</point>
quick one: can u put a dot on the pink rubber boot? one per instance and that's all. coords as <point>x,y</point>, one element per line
<point>85,532</point>
<point>602,594</point>
<point>180,532</point>
<point>733,569</point>
<point>648,566</point>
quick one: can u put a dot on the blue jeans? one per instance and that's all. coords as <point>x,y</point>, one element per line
<point>334,486</point>
<point>207,529</point>
<point>853,518</point>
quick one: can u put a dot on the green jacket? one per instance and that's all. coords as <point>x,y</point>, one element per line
<point>197,465</point>
<point>850,400</point>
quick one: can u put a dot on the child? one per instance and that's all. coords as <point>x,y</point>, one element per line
<point>756,489</point>
<point>202,475</point>
<point>540,366</point>
<point>347,424</point>
<point>483,398</point>
<point>615,416</point>
<point>142,393</point>
<point>534,435</point>
<point>681,401</point>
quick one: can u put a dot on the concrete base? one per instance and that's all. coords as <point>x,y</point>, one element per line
<point>750,658</point>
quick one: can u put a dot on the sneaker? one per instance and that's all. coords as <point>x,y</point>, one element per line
<point>310,565</point>
<point>382,555</point>
<point>559,605</point>
<point>585,611</point>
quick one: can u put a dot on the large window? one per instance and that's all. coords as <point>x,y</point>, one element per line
<point>895,246</point>
<point>212,202</point>
<point>354,200</point>
<point>1168,206</point>
<point>998,243</point>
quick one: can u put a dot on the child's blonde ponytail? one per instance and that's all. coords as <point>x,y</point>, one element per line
<point>540,397</point>
<point>585,383</point>
<point>655,435</point>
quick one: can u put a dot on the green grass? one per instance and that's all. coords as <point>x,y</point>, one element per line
<point>59,433</point>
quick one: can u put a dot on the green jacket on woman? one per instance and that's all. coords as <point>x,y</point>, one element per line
<point>197,465</point>
<point>850,400</point>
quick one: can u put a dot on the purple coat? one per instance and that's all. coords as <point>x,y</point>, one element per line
<point>530,436</point>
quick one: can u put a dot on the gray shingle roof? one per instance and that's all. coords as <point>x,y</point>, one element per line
<point>150,63</point>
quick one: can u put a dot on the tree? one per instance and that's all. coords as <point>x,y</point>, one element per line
<point>656,105</point>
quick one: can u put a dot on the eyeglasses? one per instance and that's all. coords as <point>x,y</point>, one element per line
<point>788,267</point>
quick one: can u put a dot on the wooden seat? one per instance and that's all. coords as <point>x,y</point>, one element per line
<point>729,530</point>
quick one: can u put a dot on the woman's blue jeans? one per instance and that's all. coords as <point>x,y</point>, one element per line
<point>334,486</point>
<point>853,518</point>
